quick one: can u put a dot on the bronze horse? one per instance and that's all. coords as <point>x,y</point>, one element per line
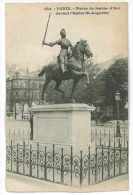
<point>74,69</point>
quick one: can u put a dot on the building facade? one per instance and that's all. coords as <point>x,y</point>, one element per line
<point>22,90</point>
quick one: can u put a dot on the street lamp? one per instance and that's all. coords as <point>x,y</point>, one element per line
<point>117,99</point>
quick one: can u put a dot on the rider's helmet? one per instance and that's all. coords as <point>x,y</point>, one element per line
<point>63,32</point>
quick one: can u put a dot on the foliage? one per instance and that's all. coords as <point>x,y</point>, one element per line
<point>108,83</point>
<point>101,90</point>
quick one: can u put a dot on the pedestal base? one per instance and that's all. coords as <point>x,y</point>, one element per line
<point>63,124</point>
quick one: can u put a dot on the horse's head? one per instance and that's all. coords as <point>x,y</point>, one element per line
<point>83,48</point>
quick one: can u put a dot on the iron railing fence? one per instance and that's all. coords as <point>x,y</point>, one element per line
<point>99,136</point>
<point>102,135</point>
<point>19,115</point>
<point>18,135</point>
<point>62,165</point>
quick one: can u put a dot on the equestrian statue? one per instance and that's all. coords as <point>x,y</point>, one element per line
<point>69,65</point>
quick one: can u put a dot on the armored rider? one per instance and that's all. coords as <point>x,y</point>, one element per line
<point>66,49</point>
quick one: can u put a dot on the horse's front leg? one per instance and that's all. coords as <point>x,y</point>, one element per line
<point>58,89</point>
<point>73,88</point>
<point>44,89</point>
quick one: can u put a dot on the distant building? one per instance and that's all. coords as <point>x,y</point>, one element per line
<point>22,89</point>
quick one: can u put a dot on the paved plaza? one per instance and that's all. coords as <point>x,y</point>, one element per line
<point>20,183</point>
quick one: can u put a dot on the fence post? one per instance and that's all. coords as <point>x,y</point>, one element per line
<point>100,136</point>
<point>104,137</point>
<point>24,158</point>
<point>127,156</point>
<point>81,167</point>
<point>120,161</point>
<point>102,162</point>
<point>17,159</point>
<point>11,155</point>
<point>96,166</point>
<point>15,111</point>
<point>114,155</point>
<point>62,171</point>
<point>114,136</point>
<point>109,162</point>
<point>30,165</point>
<point>109,137</point>
<point>45,164</point>
<point>89,165</point>
<point>96,137</point>
<point>53,161</point>
<point>124,137</point>
<point>71,161</point>
<point>37,159</point>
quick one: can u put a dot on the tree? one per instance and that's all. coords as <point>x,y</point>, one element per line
<point>101,90</point>
<point>116,79</point>
<point>107,83</point>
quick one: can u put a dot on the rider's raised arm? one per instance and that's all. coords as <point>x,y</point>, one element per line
<point>51,44</point>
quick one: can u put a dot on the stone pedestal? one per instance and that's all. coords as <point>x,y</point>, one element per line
<point>63,124</point>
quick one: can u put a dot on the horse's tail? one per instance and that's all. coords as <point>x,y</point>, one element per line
<point>44,69</point>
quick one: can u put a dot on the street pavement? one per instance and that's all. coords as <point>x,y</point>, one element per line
<point>19,183</point>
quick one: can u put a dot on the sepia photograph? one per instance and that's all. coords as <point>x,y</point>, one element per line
<point>66,97</point>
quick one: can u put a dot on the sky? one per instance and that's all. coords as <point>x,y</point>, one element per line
<point>107,35</point>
